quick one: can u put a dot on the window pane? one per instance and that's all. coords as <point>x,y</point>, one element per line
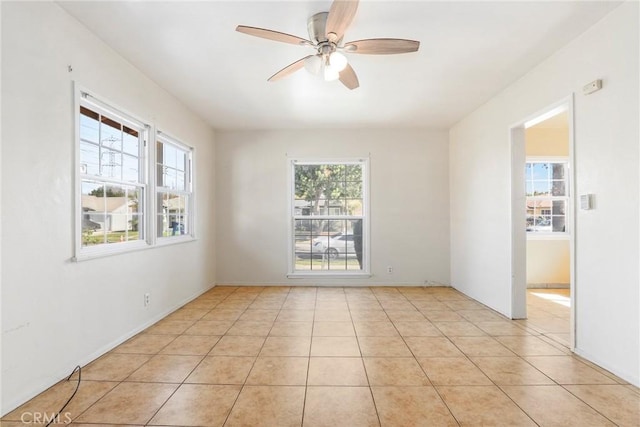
<point>170,178</point>
<point>558,188</point>
<point>160,175</point>
<point>110,133</point>
<point>89,158</point>
<point>93,213</point>
<point>333,190</point>
<point>558,171</point>
<point>559,207</point>
<point>173,214</point>
<point>130,168</point>
<point>529,188</point>
<point>354,207</point>
<point>540,171</point>
<point>111,164</point>
<point>528,171</point>
<point>541,188</point>
<point>111,214</point>
<point>180,181</point>
<point>181,159</point>
<point>558,224</point>
<point>89,125</point>
<point>130,141</point>
<point>328,244</point>
<point>170,156</point>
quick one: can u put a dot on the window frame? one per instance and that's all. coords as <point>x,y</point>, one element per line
<point>553,235</point>
<point>292,273</point>
<point>85,98</point>
<point>149,135</point>
<point>165,138</point>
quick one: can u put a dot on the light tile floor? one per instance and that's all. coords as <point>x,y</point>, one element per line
<point>549,313</point>
<point>306,356</point>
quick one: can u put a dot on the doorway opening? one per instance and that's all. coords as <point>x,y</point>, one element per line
<point>543,288</point>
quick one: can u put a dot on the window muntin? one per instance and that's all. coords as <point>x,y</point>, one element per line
<point>174,197</point>
<point>547,196</point>
<point>112,187</point>
<point>328,216</point>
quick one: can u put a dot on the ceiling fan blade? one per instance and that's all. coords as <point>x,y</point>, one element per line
<point>272,35</point>
<point>382,46</point>
<point>289,69</point>
<point>348,78</point>
<point>340,16</point>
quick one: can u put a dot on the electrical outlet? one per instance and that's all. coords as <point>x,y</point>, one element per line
<point>147,299</point>
<point>389,270</point>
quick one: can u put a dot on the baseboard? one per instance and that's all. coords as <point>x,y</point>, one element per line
<point>548,286</point>
<point>626,376</point>
<point>15,403</point>
<point>341,284</point>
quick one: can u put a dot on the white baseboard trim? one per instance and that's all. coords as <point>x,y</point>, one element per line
<point>626,376</point>
<point>340,284</point>
<point>548,286</point>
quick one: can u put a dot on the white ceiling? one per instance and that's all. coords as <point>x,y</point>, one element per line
<point>469,51</point>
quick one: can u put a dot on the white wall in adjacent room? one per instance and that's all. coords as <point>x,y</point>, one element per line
<point>606,164</point>
<point>409,202</point>
<point>56,313</point>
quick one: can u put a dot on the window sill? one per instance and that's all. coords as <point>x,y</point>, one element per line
<point>123,248</point>
<point>175,240</point>
<point>329,275</point>
<point>548,236</point>
<point>110,250</point>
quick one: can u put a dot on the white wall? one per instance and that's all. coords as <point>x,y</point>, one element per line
<point>548,262</point>
<point>57,313</point>
<point>606,164</point>
<point>409,202</point>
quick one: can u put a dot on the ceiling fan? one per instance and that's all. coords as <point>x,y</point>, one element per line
<point>326,30</point>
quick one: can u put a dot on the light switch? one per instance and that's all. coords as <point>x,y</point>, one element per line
<point>586,202</point>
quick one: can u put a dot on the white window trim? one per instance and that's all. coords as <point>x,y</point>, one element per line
<point>366,259</point>
<point>191,236</point>
<point>147,162</point>
<point>557,235</point>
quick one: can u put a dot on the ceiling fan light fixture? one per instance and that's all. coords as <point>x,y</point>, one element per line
<point>338,61</point>
<point>330,73</point>
<point>313,64</point>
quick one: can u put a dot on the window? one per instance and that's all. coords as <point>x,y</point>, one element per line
<point>547,196</point>
<point>173,188</point>
<point>128,196</point>
<point>111,177</point>
<point>329,217</point>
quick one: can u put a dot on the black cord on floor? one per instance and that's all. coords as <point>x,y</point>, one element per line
<point>79,369</point>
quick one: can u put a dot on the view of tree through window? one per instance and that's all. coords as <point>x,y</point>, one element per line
<point>547,196</point>
<point>328,216</point>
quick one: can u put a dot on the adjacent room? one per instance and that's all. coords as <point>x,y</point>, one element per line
<point>315,213</point>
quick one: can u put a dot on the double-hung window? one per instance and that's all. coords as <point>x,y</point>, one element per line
<point>129,195</point>
<point>173,188</point>
<point>547,191</point>
<point>328,217</point>
<point>112,179</point>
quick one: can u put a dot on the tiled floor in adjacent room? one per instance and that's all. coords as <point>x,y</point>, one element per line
<point>549,313</point>
<point>305,356</point>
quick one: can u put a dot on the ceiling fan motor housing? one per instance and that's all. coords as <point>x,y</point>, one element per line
<point>317,27</point>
